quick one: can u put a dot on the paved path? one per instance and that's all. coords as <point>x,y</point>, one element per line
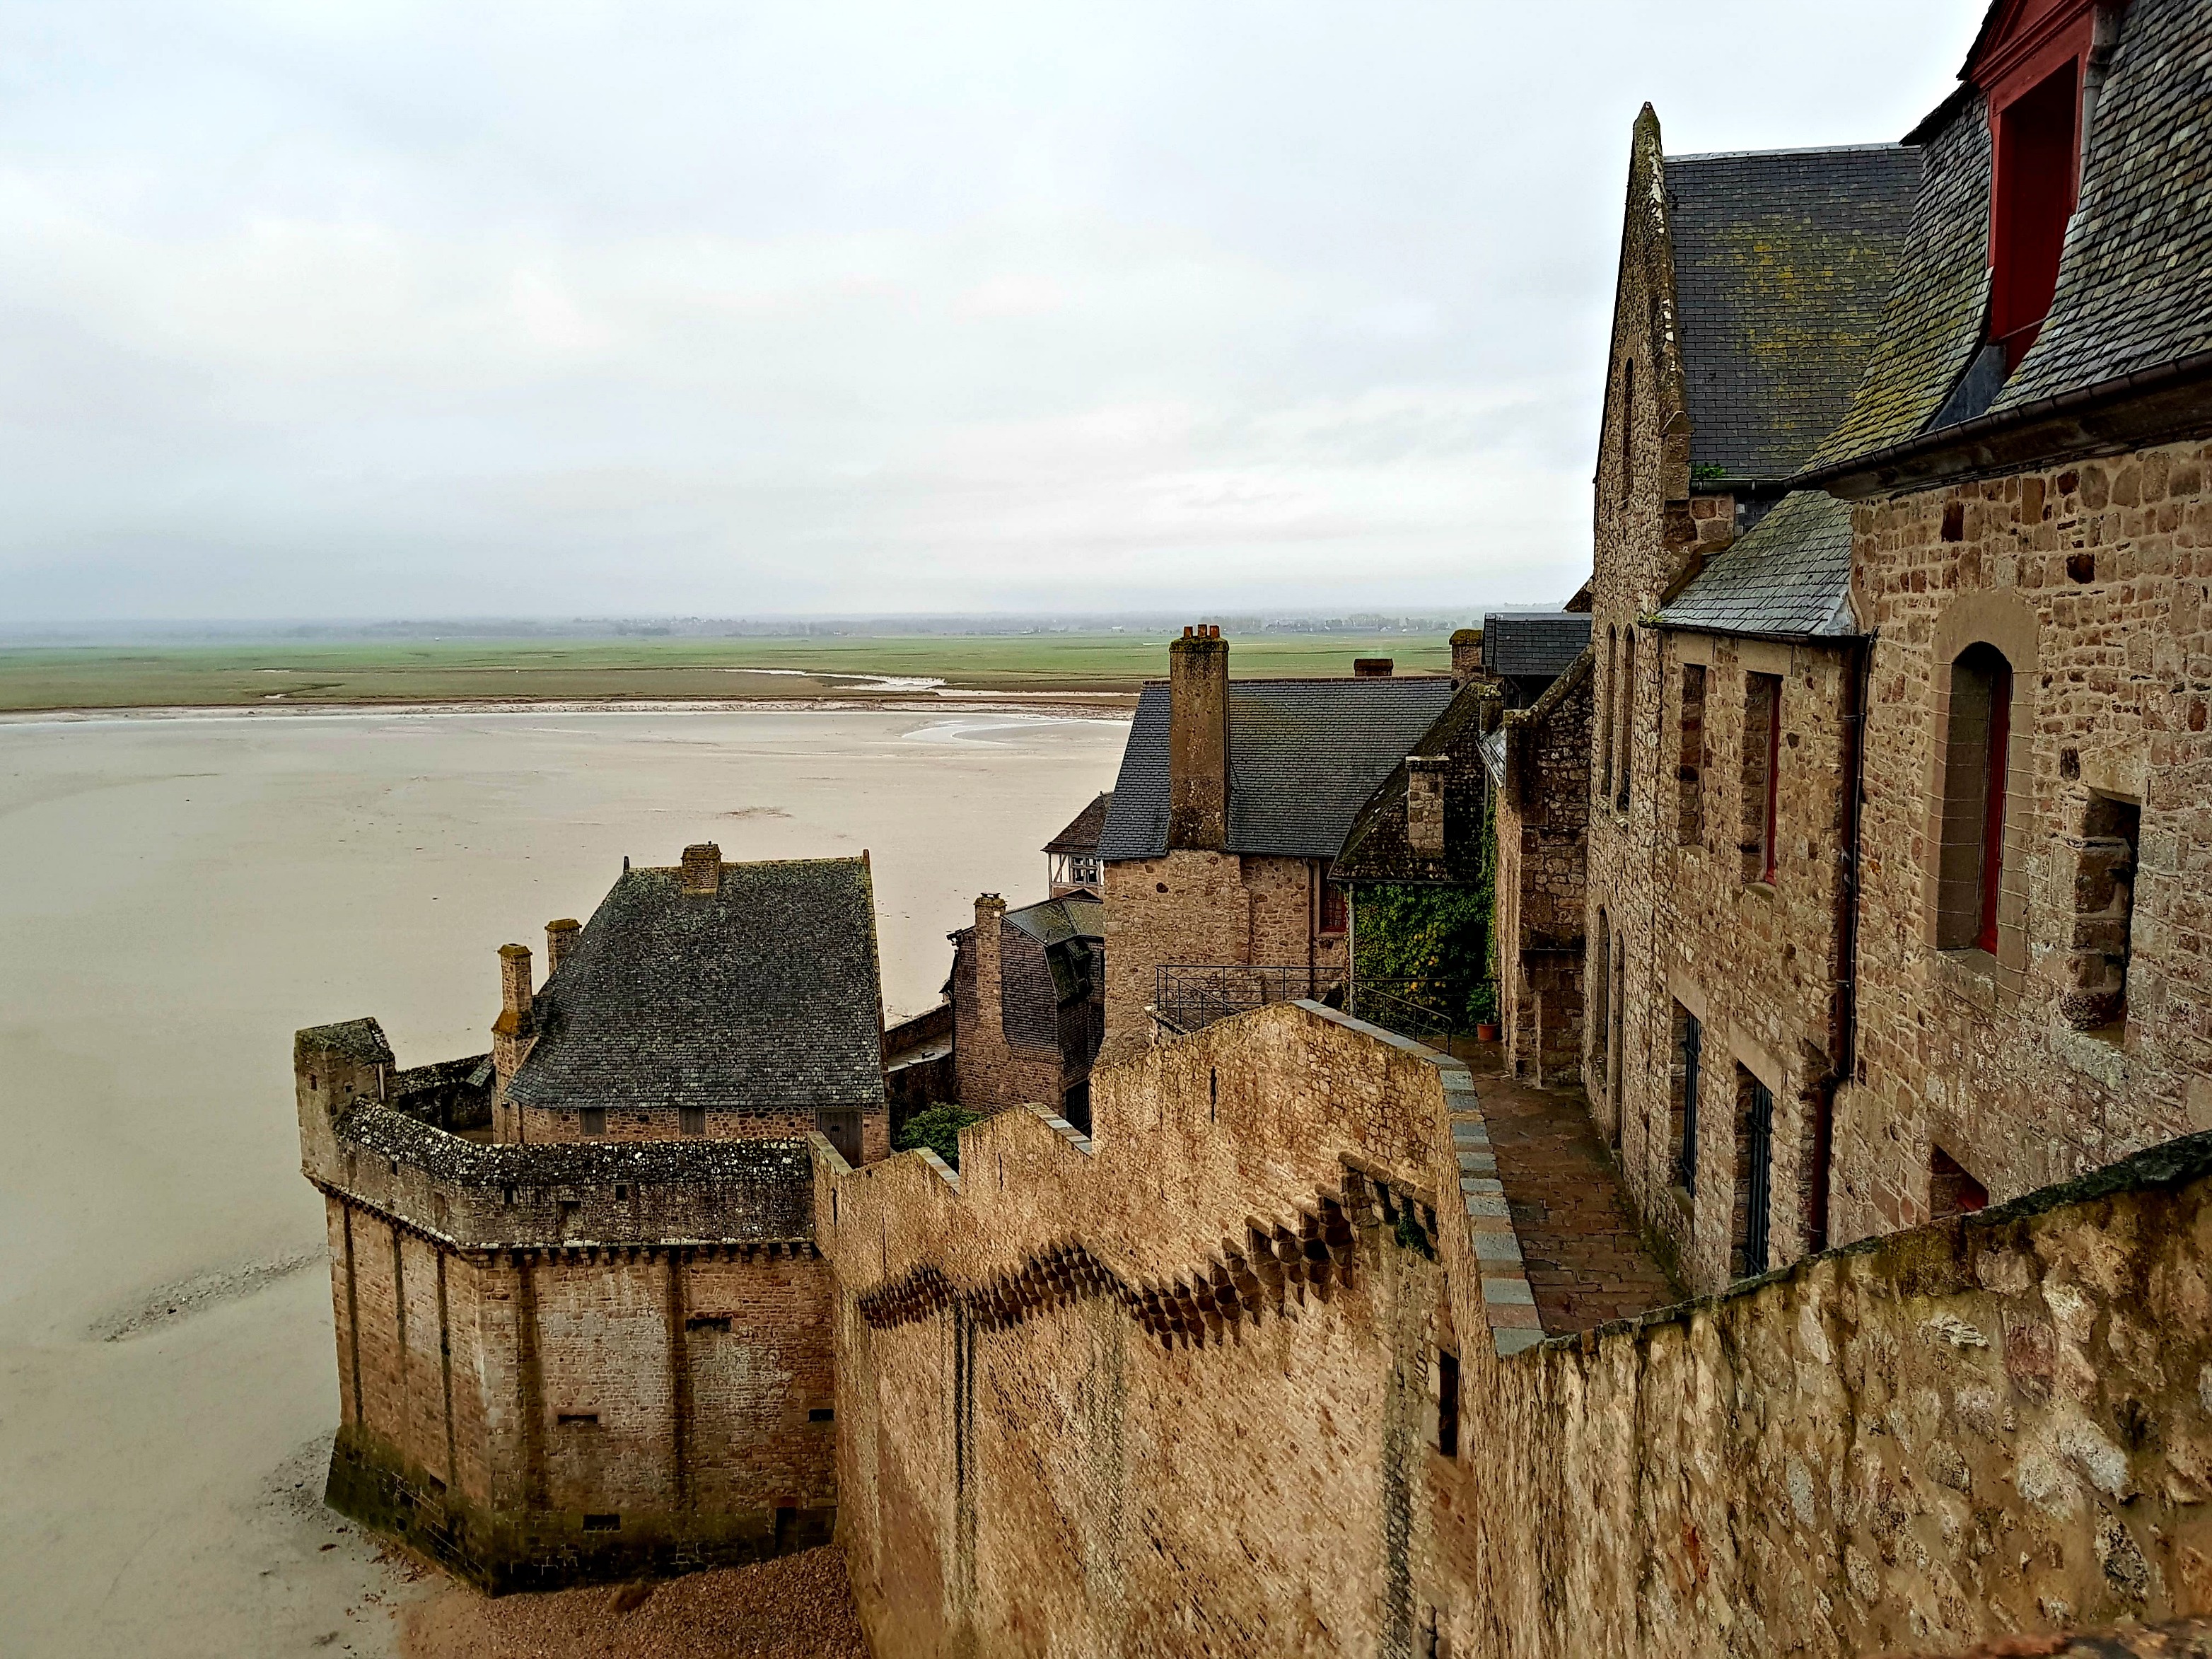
<point>1585,1258</point>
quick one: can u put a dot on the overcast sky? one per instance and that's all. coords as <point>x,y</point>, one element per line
<point>377,309</point>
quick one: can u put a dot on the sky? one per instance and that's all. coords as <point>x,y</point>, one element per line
<point>372,309</point>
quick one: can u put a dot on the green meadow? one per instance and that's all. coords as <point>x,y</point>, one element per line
<point>648,669</point>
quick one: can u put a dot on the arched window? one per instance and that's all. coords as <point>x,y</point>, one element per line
<point>1971,871</point>
<point>1604,711</point>
<point>1628,428</point>
<point>1627,719</point>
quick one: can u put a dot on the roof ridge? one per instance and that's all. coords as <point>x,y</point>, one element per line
<point>1872,148</point>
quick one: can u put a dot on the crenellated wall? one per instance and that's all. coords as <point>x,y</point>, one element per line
<point>566,1361</point>
<point>1174,1390</point>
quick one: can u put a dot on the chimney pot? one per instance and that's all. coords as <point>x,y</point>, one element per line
<point>1186,632</point>
<point>702,868</point>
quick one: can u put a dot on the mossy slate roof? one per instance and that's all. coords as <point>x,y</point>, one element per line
<point>1791,575</point>
<point>1082,835</point>
<point>764,996</point>
<point>1782,261</point>
<point>1303,757</point>
<point>693,1160</point>
<point>2134,278</point>
<point>2134,282</point>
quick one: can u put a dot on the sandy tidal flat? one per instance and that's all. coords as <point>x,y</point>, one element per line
<point>181,895</point>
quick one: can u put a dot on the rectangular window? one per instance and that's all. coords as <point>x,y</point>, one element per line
<point>1685,1138</point>
<point>2095,998</point>
<point>1690,820</point>
<point>1447,1403</point>
<point>1335,909</point>
<point>692,1119</point>
<point>2032,196</point>
<point>593,1121</point>
<point>1762,767</point>
<point>1755,1168</point>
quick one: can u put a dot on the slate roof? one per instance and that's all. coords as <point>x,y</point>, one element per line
<point>1532,644</point>
<point>764,996</point>
<point>1303,756</point>
<point>2134,282</point>
<point>1055,921</point>
<point>1782,262</point>
<point>1932,320</point>
<point>1376,847</point>
<point>1081,835</point>
<point>1791,575</point>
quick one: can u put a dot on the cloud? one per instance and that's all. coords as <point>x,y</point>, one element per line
<point>393,309</point>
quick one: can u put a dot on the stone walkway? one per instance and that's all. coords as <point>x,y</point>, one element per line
<point>1585,1259</point>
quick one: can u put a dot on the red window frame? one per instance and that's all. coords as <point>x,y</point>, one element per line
<point>1336,909</point>
<point>1993,813</point>
<point>1773,778</point>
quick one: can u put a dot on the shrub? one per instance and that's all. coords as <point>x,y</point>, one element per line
<point>936,1127</point>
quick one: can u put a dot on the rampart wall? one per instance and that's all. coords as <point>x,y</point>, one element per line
<point>1174,1391</point>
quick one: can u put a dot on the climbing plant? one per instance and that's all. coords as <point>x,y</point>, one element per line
<point>1436,939</point>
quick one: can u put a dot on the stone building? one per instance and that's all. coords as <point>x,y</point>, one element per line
<point>1750,296</point>
<point>1871,783</point>
<point>597,1344</point>
<point>1519,722</point>
<point>1028,999</point>
<point>682,1009</point>
<point>1232,800</point>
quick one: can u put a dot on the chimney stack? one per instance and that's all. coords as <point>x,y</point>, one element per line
<point>702,868</point>
<point>1198,739</point>
<point>1373,668</point>
<point>512,1034</point>
<point>1467,655</point>
<point>560,938</point>
<point>990,1001</point>
<point>1425,805</point>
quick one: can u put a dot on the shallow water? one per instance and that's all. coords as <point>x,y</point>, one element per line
<point>176,897</point>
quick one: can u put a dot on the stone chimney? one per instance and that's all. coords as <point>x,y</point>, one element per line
<point>1467,655</point>
<point>990,1016</point>
<point>513,1032</point>
<point>702,868</point>
<point>1373,668</point>
<point>1425,805</point>
<point>560,939</point>
<point>1198,739</point>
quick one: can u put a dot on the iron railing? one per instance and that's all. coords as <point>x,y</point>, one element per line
<point>1188,996</point>
<point>1428,1009</point>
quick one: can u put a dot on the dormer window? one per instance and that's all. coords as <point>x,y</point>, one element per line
<point>2037,177</point>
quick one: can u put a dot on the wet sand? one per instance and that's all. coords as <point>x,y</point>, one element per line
<point>179,896</point>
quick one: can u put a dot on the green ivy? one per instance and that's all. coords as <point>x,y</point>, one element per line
<point>1437,937</point>
<point>936,1127</point>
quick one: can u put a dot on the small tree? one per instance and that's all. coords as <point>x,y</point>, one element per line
<point>938,1127</point>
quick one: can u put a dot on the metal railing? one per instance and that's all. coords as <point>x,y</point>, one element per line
<point>1188,996</point>
<point>1430,1010</point>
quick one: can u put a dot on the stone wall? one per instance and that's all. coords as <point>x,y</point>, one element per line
<point>1543,830</point>
<point>1174,1391</point>
<point>1208,907</point>
<point>1758,963</point>
<point>2092,578</point>
<point>993,1068</point>
<point>564,1362</point>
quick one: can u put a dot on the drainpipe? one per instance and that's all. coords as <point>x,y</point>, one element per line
<point>1844,1040</point>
